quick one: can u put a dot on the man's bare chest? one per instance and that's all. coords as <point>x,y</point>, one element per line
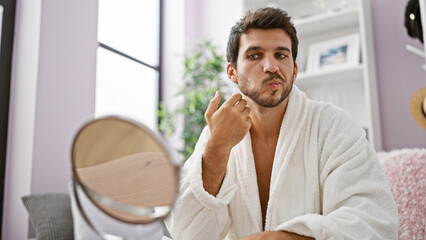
<point>263,159</point>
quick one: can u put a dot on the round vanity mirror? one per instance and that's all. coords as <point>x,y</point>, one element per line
<point>125,170</point>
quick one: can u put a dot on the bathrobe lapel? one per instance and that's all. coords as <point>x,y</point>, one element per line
<point>246,173</point>
<point>294,119</point>
<point>244,160</point>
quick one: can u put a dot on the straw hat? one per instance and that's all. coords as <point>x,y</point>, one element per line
<point>418,107</point>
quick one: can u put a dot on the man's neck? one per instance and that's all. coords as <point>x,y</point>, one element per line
<point>266,122</point>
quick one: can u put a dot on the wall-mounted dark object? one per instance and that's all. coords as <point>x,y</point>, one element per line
<point>413,22</point>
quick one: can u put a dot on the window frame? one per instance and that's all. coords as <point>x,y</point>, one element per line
<point>157,68</point>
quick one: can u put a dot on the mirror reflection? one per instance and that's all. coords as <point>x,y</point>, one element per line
<point>124,170</point>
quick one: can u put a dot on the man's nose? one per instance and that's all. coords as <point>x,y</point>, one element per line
<point>270,65</point>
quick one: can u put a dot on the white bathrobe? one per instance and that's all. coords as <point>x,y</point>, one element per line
<point>326,183</point>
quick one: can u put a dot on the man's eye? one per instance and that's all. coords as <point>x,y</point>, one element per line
<point>253,56</point>
<point>281,55</point>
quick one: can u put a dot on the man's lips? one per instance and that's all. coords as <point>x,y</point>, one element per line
<point>275,84</point>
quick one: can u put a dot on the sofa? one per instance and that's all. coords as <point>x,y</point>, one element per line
<point>406,172</point>
<point>54,215</point>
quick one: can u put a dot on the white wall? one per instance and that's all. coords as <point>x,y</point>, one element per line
<point>212,20</point>
<point>173,58</point>
<point>52,93</point>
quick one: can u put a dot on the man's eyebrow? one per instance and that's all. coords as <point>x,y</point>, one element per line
<point>254,48</point>
<point>283,49</point>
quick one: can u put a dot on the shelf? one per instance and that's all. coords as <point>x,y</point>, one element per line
<point>342,74</point>
<point>324,22</point>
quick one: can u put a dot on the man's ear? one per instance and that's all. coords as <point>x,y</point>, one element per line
<point>232,73</point>
<point>296,68</point>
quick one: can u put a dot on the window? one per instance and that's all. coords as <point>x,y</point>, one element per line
<point>128,60</point>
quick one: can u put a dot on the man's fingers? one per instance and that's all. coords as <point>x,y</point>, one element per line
<point>240,105</point>
<point>213,105</point>
<point>248,120</point>
<point>233,100</point>
<point>246,111</point>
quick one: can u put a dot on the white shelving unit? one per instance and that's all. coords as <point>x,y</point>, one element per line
<point>351,88</point>
<point>305,80</point>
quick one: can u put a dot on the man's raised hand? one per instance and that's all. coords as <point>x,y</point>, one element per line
<point>230,123</point>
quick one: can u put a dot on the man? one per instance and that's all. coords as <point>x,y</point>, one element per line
<point>273,164</point>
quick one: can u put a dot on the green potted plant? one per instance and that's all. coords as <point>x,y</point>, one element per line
<point>202,78</point>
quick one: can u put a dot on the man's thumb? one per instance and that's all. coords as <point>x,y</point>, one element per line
<point>214,104</point>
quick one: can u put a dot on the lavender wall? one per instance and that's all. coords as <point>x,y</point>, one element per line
<point>21,118</point>
<point>65,88</point>
<point>212,20</point>
<point>399,75</point>
<point>52,93</point>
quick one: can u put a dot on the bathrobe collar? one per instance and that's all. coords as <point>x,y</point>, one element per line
<point>242,153</point>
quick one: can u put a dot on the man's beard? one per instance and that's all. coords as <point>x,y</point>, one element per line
<point>270,102</point>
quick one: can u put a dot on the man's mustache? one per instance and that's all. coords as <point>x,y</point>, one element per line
<point>273,76</point>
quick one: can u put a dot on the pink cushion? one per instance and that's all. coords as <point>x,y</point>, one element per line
<point>406,171</point>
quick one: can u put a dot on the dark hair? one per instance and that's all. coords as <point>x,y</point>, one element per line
<point>262,18</point>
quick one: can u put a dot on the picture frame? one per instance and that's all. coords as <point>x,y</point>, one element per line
<point>334,53</point>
